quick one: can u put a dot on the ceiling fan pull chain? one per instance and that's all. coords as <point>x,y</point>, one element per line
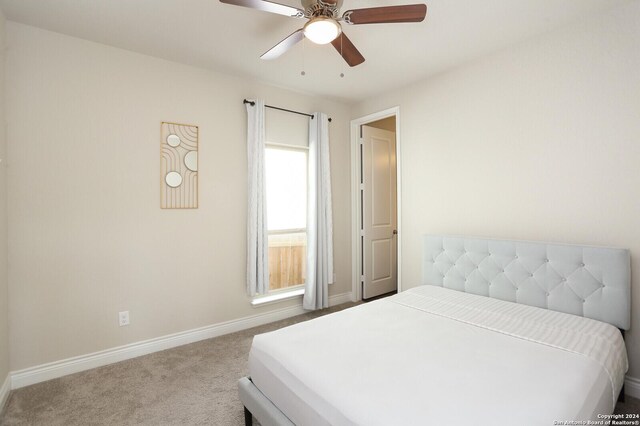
<point>341,54</point>
<point>303,73</point>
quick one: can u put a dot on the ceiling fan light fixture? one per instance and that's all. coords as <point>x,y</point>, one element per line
<point>322,30</point>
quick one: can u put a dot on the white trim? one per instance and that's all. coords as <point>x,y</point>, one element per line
<point>339,299</point>
<point>4,393</point>
<point>52,370</point>
<point>277,297</point>
<point>286,146</point>
<point>632,387</point>
<point>356,288</point>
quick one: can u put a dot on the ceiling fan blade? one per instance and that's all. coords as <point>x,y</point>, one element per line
<point>349,53</point>
<point>268,6</point>
<point>284,45</point>
<point>389,14</point>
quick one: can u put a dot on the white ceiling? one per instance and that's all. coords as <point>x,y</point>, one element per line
<point>230,39</point>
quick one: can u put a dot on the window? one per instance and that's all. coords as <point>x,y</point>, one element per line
<point>286,182</point>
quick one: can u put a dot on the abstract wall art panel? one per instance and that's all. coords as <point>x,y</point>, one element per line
<point>178,166</point>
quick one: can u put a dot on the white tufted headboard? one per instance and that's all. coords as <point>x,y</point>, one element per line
<point>593,282</point>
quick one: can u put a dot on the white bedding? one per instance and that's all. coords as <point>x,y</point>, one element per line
<point>437,356</point>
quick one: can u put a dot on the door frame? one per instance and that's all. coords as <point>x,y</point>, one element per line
<point>356,249</point>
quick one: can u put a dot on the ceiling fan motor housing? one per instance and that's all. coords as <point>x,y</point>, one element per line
<point>321,8</point>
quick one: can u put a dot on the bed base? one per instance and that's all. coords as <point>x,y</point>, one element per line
<point>621,396</point>
<point>259,406</point>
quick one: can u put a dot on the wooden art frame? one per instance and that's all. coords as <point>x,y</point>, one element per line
<point>178,166</point>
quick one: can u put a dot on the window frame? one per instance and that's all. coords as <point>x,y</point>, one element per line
<point>294,290</point>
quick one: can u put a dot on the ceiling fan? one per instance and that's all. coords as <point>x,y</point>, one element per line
<point>323,25</point>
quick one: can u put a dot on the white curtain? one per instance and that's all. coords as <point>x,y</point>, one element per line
<point>319,217</point>
<point>257,236</point>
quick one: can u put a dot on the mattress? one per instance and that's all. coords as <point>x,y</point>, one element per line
<point>435,355</point>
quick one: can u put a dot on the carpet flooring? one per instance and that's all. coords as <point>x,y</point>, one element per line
<point>194,384</point>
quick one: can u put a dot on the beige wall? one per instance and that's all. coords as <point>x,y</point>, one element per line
<point>88,238</point>
<point>4,305</point>
<point>538,142</point>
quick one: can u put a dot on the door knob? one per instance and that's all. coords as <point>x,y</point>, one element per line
<point>395,232</point>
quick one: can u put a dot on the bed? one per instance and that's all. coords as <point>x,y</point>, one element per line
<point>500,332</point>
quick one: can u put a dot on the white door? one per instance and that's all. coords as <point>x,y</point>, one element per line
<point>379,213</point>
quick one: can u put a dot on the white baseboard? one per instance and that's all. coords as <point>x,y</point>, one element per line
<point>4,393</point>
<point>632,387</point>
<point>339,299</point>
<point>52,370</point>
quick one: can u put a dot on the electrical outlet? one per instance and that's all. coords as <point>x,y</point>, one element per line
<point>123,318</point>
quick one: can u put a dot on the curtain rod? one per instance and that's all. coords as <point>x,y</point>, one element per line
<point>252,103</point>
